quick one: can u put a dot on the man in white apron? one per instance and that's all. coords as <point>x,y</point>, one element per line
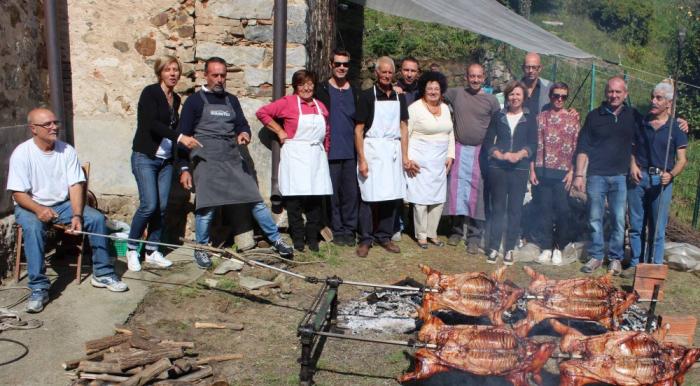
<point>381,131</point>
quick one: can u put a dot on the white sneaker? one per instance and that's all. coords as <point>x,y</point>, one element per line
<point>556,257</point>
<point>396,236</point>
<point>132,261</point>
<point>545,257</point>
<point>156,258</point>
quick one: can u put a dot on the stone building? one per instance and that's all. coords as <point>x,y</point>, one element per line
<point>108,53</point>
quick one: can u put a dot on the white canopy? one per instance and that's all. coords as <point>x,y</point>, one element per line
<point>484,17</point>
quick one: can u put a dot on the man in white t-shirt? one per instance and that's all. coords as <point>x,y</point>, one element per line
<point>46,180</point>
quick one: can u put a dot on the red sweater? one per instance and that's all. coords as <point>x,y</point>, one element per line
<point>286,109</point>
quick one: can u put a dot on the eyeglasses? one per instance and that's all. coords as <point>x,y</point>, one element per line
<point>531,67</point>
<point>343,64</point>
<point>560,96</point>
<point>48,124</point>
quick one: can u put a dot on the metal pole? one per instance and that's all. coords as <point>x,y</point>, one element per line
<point>696,207</point>
<point>279,65</point>
<point>386,286</point>
<point>384,341</point>
<point>554,70</point>
<point>53,57</point>
<point>591,104</point>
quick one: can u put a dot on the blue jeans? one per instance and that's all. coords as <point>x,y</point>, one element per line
<point>644,201</point>
<point>34,231</point>
<point>204,216</point>
<point>153,179</point>
<point>614,188</point>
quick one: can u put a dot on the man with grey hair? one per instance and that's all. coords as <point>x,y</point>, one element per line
<point>47,186</point>
<point>381,141</point>
<point>654,166</point>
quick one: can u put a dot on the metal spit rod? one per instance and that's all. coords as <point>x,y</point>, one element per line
<point>233,256</point>
<point>406,343</point>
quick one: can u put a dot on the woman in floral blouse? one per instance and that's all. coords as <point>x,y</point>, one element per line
<point>551,173</point>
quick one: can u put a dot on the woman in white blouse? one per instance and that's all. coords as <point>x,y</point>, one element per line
<point>431,150</point>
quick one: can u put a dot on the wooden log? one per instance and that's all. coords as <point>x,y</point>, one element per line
<point>122,329</point>
<point>103,377</point>
<point>203,372</point>
<point>136,341</point>
<point>99,367</point>
<point>73,363</point>
<point>218,358</point>
<point>103,343</point>
<point>176,343</point>
<point>148,373</point>
<point>216,325</point>
<point>182,366</point>
<point>173,382</point>
<point>128,361</point>
<point>114,356</point>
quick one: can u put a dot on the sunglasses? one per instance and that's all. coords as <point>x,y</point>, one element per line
<point>560,96</point>
<point>343,64</point>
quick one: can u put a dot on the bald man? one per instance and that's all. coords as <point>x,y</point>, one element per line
<point>537,88</point>
<point>473,109</point>
<point>46,182</point>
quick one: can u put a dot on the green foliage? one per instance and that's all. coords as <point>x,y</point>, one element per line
<point>689,69</point>
<point>627,20</point>
<point>398,37</point>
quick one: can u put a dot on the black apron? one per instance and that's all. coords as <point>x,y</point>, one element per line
<point>220,174</point>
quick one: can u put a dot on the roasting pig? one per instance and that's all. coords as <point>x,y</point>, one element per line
<point>594,299</point>
<point>480,350</point>
<point>471,293</point>
<point>628,358</point>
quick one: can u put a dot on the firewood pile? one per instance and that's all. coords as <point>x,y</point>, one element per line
<point>681,232</point>
<point>133,357</point>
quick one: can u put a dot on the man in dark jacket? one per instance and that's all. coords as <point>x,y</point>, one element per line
<point>340,97</point>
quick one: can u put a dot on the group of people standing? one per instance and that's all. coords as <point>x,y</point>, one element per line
<point>446,151</point>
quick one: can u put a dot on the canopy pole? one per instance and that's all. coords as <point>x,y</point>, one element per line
<point>279,64</point>
<point>554,70</point>
<point>591,104</point>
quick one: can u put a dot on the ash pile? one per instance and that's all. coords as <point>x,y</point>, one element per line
<point>388,312</point>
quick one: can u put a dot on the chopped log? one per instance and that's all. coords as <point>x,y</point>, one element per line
<point>218,358</point>
<point>99,367</point>
<point>219,382</point>
<point>230,326</point>
<point>137,341</point>
<point>73,364</point>
<point>203,372</point>
<point>103,377</point>
<point>114,356</point>
<point>176,343</point>
<point>134,370</point>
<point>173,382</point>
<point>92,346</point>
<point>130,360</point>
<point>122,329</point>
<point>182,366</point>
<point>148,373</point>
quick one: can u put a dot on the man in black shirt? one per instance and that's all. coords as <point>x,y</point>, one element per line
<point>537,88</point>
<point>381,121</point>
<point>602,164</point>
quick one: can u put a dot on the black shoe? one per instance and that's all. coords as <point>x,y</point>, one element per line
<point>350,240</point>
<point>340,240</point>
<point>313,246</point>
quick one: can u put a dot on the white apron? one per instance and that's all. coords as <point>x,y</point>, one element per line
<point>385,180</point>
<point>303,168</point>
<point>428,187</point>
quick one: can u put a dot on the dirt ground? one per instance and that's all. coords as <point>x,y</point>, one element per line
<point>269,342</point>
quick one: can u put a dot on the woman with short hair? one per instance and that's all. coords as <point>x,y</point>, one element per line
<point>303,170</point>
<point>511,141</point>
<point>154,142</point>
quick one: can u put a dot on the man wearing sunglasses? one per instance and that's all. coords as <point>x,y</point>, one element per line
<point>340,97</point>
<point>46,182</point>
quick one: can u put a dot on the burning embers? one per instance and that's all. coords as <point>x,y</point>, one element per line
<point>617,357</point>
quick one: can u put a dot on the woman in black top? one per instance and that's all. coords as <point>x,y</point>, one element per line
<point>151,160</point>
<point>510,142</point>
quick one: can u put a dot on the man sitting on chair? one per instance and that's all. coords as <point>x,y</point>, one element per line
<point>46,182</point>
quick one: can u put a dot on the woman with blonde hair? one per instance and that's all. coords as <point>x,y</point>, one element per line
<point>152,158</point>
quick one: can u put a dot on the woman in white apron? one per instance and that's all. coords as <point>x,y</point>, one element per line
<point>431,147</point>
<point>303,171</point>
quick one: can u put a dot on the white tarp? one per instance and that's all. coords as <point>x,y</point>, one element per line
<point>484,17</point>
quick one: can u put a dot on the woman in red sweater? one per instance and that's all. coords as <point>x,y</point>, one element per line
<point>303,170</point>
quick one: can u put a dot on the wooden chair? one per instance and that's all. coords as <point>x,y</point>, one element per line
<point>77,241</point>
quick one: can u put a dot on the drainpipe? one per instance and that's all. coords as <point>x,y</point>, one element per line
<point>53,55</point>
<point>279,65</point>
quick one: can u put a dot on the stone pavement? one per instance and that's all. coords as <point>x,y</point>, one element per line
<point>77,313</point>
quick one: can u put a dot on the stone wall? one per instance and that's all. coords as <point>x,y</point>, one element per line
<point>23,85</point>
